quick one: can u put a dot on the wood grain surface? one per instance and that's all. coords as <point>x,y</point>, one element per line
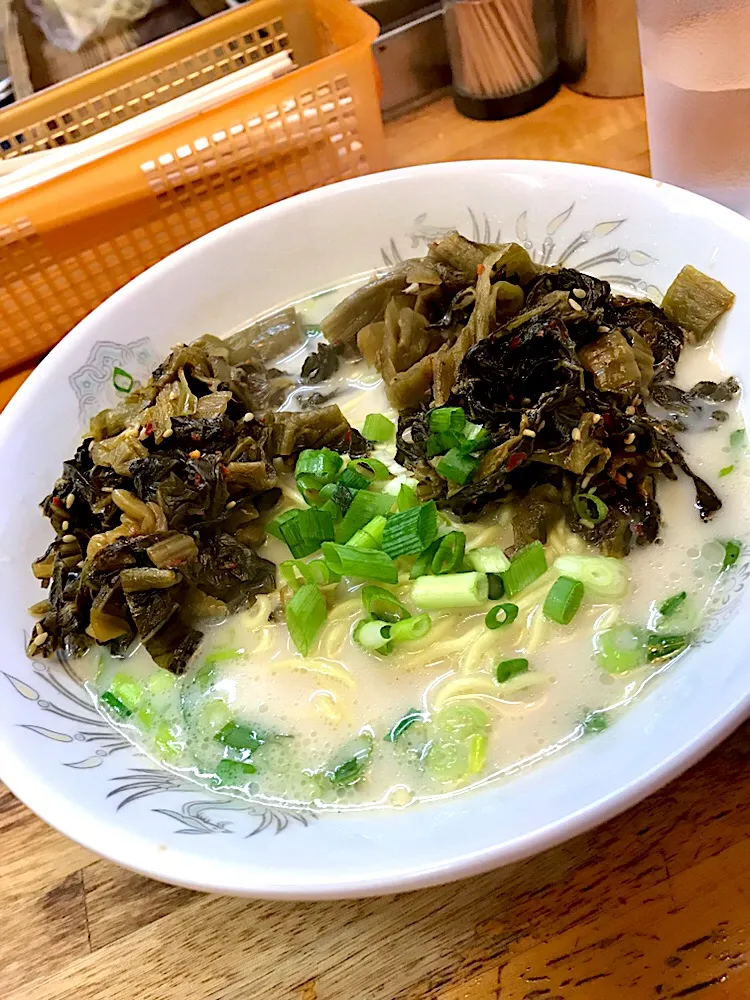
<point>655,905</point>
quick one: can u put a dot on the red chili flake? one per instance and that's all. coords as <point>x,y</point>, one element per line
<point>197,479</point>
<point>480,269</point>
<point>57,501</point>
<point>224,470</point>
<point>514,461</point>
<point>148,429</point>
<point>195,436</point>
<point>515,341</point>
<point>607,420</point>
<point>621,480</point>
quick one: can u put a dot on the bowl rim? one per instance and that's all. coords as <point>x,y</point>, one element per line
<point>138,852</point>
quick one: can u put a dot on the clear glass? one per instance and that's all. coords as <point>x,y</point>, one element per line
<point>696,74</point>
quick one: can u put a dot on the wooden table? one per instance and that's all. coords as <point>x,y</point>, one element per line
<point>653,906</point>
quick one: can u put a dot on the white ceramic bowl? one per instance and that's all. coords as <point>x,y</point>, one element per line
<point>64,761</point>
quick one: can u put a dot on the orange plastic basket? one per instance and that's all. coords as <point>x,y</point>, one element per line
<point>67,244</point>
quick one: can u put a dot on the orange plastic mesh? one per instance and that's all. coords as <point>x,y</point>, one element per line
<point>69,243</point>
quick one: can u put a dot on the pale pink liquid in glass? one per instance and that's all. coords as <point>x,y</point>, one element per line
<point>697,84</point>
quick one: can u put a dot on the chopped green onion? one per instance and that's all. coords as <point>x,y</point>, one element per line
<point>373,635</point>
<point>526,566</point>
<point>352,479</point>
<point>396,730</point>
<point>322,463</point>
<point>727,470</point>
<point>738,438</point>
<point>240,737</point>
<point>663,647</point>
<point>477,753</point>
<point>620,648</point>
<point>309,487</point>
<point>501,614</point>
<point>563,600</point>
<point>274,527</point>
<point>305,532</point>
<point>671,604</point>
<point>423,565</point>
<point>360,563</point>
<point>234,772</point>
<point>333,509</point>
<point>351,769</point>
<point>495,586</point>
<point>447,418</point>
<point>447,760</point>
<point>127,690</point>
<point>488,559</point>
<point>407,498</point>
<point>205,676</point>
<point>475,438</point>
<point>511,668</point>
<point>453,590</point>
<point>305,614</point>
<point>163,683</point>
<point>409,629</point>
<point>594,722</point>
<point>371,469</point>
<point>602,576</point>
<point>114,703</point>
<point>382,604</point>
<point>296,573</point>
<point>731,554</point>
<point>339,494</point>
<point>363,508</point>
<point>439,444</point>
<point>450,553</point>
<point>122,381</point>
<point>457,467</point>
<point>371,536</point>
<point>222,655</point>
<point>167,742</point>
<point>378,428</point>
<point>461,722</point>
<point>411,531</point>
<point>589,507</point>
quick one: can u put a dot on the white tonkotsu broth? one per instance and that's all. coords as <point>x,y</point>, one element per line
<point>340,690</point>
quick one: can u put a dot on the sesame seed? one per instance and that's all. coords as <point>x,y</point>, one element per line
<point>69,538</point>
<point>528,433</point>
<point>70,499</point>
<point>585,481</point>
<point>143,435</point>
<point>596,418</point>
<point>629,438</point>
<point>579,293</point>
<point>604,329</point>
<point>65,525</point>
<point>629,411</point>
<point>628,475</point>
<point>575,305</point>
<point>79,564</point>
<point>194,454</point>
<point>575,434</point>
<point>39,640</point>
<point>168,433</point>
<point>248,417</point>
<point>231,505</point>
